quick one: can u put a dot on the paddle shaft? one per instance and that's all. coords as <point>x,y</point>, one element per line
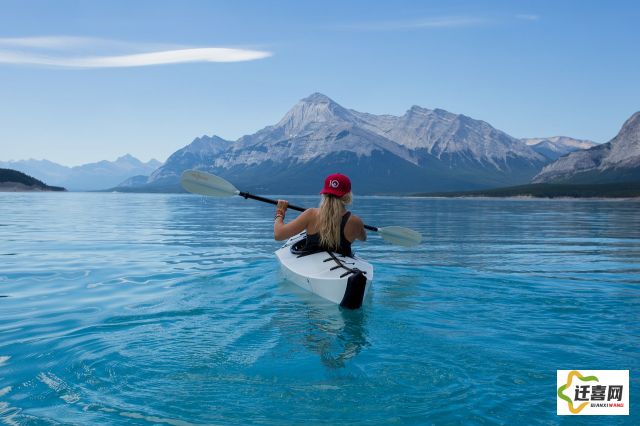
<point>292,207</point>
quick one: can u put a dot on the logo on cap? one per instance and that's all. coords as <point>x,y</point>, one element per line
<point>334,183</point>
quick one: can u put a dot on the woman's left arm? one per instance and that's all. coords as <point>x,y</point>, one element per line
<point>282,231</point>
<point>361,230</point>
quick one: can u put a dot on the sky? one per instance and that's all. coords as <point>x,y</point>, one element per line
<point>83,81</point>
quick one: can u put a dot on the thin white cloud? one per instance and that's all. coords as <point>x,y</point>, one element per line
<point>412,24</point>
<point>83,52</point>
<point>210,54</point>
<point>55,42</point>
<point>77,44</point>
<point>528,17</point>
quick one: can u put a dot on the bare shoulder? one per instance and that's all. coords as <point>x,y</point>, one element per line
<point>356,220</point>
<point>311,212</point>
<point>308,216</point>
<point>355,228</point>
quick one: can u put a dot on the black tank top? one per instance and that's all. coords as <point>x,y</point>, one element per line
<point>313,240</point>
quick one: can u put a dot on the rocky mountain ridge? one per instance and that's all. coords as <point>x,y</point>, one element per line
<point>615,161</point>
<point>421,150</point>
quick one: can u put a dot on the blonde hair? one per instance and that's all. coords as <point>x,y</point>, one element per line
<point>330,217</point>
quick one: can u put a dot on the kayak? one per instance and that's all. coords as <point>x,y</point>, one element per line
<point>340,279</point>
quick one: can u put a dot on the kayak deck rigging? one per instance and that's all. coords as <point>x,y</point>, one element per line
<point>341,279</point>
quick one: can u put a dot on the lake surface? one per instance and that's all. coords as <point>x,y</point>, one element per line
<point>169,309</point>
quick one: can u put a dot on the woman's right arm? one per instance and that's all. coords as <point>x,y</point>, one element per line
<point>282,231</point>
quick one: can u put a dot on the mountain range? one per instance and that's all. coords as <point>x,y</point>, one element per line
<point>615,161</point>
<point>557,146</point>
<point>421,150</point>
<point>88,177</point>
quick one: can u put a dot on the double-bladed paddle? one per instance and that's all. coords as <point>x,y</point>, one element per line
<point>203,183</point>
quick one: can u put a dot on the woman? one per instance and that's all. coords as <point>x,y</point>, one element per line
<point>330,227</point>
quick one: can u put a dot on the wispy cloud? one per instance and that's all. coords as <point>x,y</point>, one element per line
<point>85,52</point>
<point>414,24</point>
<point>528,17</point>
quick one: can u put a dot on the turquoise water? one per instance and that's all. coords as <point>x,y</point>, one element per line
<point>169,309</point>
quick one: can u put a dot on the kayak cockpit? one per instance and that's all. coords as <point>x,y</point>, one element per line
<point>333,276</point>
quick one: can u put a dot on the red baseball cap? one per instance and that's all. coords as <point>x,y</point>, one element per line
<point>336,184</point>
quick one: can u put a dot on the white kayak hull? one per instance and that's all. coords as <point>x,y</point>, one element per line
<point>326,276</point>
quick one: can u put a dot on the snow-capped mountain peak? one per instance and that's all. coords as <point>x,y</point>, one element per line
<point>312,112</point>
<point>421,149</point>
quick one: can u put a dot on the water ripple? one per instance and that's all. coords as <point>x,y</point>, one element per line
<point>169,309</point>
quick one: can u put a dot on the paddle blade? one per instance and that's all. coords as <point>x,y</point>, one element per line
<point>400,236</point>
<point>204,183</point>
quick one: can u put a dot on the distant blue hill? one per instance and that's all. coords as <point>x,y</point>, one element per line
<point>15,181</point>
<point>88,177</point>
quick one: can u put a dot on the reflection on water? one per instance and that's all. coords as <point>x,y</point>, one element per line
<point>170,309</point>
<point>337,335</point>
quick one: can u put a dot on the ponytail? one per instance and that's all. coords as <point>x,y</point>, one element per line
<point>330,217</point>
